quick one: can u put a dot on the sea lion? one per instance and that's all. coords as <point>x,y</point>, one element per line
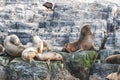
<point>29,53</point>
<point>48,5</point>
<point>85,41</point>
<point>37,42</point>
<point>71,47</point>
<point>114,76</point>
<point>113,59</point>
<point>13,46</point>
<point>45,46</point>
<point>49,56</point>
<point>1,48</point>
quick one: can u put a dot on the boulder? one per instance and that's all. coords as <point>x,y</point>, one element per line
<point>21,70</point>
<point>80,63</point>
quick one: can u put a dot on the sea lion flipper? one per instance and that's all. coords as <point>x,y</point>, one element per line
<point>48,61</point>
<point>39,50</point>
<point>92,47</point>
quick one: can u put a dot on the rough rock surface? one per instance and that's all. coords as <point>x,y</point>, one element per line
<point>64,23</point>
<point>18,69</point>
<point>100,71</point>
<point>58,27</point>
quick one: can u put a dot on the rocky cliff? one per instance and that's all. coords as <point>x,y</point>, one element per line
<point>57,28</point>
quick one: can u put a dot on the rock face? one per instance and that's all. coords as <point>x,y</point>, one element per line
<point>79,64</point>
<point>20,70</point>
<point>58,27</point>
<point>64,23</point>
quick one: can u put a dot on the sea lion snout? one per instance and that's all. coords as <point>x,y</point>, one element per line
<point>59,58</point>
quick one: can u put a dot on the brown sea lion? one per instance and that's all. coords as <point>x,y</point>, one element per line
<point>13,46</point>
<point>85,41</point>
<point>29,53</point>
<point>113,59</point>
<point>49,56</point>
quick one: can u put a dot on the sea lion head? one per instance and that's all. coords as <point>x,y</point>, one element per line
<point>86,30</point>
<point>14,39</point>
<point>58,56</point>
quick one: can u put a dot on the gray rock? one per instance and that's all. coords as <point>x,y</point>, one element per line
<point>19,25</point>
<point>4,61</point>
<point>58,72</point>
<point>61,26</point>
<point>100,71</point>
<point>79,63</point>
<point>19,69</point>
<point>3,73</point>
<point>103,54</point>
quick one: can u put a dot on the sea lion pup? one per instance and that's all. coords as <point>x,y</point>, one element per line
<point>49,56</point>
<point>48,5</point>
<point>113,59</point>
<point>37,43</point>
<point>29,53</point>
<point>114,76</point>
<point>85,41</point>
<point>13,46</point>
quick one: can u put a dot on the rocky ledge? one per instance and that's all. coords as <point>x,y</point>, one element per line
<point>75,66</point>
<point>83,65</point>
